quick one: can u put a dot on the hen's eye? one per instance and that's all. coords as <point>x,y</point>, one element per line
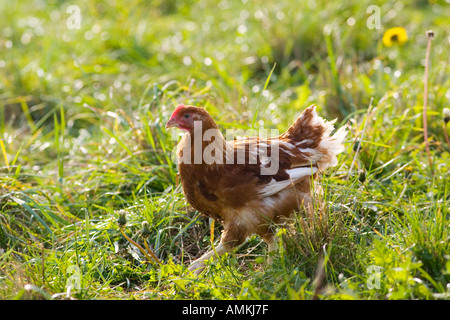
<point>186,115</point>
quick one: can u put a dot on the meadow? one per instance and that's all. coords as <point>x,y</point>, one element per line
<point>86,88</point>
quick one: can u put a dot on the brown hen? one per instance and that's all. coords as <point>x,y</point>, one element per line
<point>252,183</point>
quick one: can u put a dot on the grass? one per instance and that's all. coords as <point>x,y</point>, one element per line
<point>82,114</point>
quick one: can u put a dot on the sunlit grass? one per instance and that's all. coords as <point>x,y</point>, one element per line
<point>82,116</point>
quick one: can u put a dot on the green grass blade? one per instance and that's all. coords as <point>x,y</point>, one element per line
<point>266,84</point>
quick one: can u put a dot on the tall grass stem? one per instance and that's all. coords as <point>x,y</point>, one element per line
<point>430,35</point>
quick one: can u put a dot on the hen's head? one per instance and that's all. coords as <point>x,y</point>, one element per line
<point>187,117</point>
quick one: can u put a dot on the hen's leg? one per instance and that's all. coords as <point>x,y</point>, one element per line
<point>271,242</point>
<point>198,265</point>
<point>270,239</point>
<point>232,236</point>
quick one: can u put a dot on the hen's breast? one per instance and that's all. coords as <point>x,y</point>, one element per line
<point>200,190</point>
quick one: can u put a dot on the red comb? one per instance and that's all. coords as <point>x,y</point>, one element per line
<point>177,110</point>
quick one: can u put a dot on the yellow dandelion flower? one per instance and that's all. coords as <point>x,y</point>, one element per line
<point>395,35</point>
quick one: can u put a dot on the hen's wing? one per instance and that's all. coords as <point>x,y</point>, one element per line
<point>304,149</point>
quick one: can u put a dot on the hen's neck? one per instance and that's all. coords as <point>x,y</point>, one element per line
<point>207,144</point>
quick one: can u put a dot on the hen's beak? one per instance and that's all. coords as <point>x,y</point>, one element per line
<point>171,123</point>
